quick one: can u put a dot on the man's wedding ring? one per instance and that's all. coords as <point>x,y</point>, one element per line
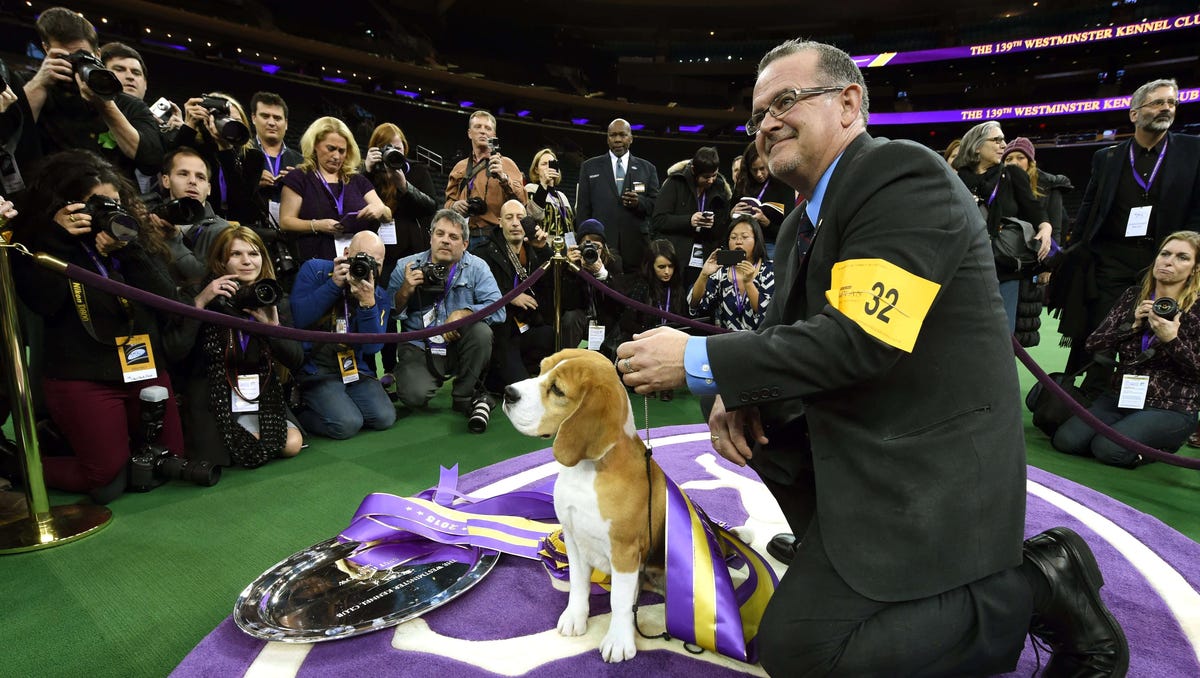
<point>628,368</point>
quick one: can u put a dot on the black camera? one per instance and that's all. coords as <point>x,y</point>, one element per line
<point>91,71</point>
<point>232,131</point>
<point>590,252</point>
<point>108,216</point>
<point>1165,308</point>
<point>435,274</point>
<point>181,210</point>
<point>265,292</point>
<point>363,266</point>
<point>494,145</point>
<point>480,412</point>
<point>393,157</point>
<point>154,464</point>
<point>476,206</point>
<point>530,224</point>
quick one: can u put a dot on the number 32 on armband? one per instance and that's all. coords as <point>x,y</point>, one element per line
<point>883,299</point>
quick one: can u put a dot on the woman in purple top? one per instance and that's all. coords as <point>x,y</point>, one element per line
<point>325,199</point>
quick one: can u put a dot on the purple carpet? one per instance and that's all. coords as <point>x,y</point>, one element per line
<point>506,624</point>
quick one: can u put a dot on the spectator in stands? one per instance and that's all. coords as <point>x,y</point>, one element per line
<point>736,296</point>
<point>951,151</point>
<point>119,127</point>
<point>236,166</point>
<point>481,183</point>
<point>462,284</point>
<point>692,210</point>
<point>1047,188</point>
<point>1000,191</point>
<point>270,114</point>
<point>588,310</point>
<point>770,200</point>
<point>338,387</point>
<point>126,63</point>
<point>657,284</point>
<point>104,349</point>
<point>547,204</point>
<point>325,200</point>
<point>1139,191</point>
<point>1155,344</point>
<point>619,190</point>
<point>236,411</point>
<point>185,175</point>
<point>527,333</point>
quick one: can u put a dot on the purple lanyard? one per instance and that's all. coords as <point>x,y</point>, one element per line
<point>995,189</point>
<point>445,292</point>
<point>244,340</point>
<point>95,260</point>
<point>1148,336</point>
<point>666,308</point>
<point>278,160</point>
<point>738,297</point>
<point>339,199</point>
<point>346,309</point>
<point>700,200</point>
<point>1153,173</point>
<point>764,189</point>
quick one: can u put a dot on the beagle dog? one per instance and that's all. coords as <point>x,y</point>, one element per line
<point>603,491</point>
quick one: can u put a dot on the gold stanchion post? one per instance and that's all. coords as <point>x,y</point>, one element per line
<point>45,526</point>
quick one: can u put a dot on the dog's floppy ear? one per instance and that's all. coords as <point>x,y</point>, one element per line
<point>590,430</point>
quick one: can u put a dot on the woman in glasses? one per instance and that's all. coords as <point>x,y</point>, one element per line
<point>1001,191</point>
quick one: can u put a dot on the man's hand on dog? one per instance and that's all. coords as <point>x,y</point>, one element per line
<point>653,361</point>
<point>728,429</point>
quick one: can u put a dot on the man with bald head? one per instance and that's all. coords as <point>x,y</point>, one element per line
<point>527,335</point>
<point>339,390</point>
<point>618,190</point>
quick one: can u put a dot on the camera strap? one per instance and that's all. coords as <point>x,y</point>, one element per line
<point>79,297</point>
<point>432,315</point>
<point>247,387</point>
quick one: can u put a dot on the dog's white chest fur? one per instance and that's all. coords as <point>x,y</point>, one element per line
<point>578,509</point>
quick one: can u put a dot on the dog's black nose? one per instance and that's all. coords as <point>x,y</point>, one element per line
<point>511,395</point>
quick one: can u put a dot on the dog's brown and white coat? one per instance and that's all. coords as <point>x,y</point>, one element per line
<point>602,494</point>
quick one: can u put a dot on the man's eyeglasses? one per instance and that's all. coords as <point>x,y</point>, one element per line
<point>1160,103</point>
<point>783,103</point>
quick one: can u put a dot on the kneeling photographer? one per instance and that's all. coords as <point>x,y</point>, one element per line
<point>186,219</point>
<point>437,287</point>
<point>100,350</point>
<point>1154,329</point>
<point>339,391</point>
<point>235,409</point>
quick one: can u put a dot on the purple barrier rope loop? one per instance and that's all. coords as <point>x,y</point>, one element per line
<point>153,300</point>
<point>1091,420</point>
<point>646,308</point>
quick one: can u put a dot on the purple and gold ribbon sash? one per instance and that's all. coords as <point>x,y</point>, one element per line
<point>395,530</point>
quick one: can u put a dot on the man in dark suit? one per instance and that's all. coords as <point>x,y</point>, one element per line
<point>619,190</point>
<point>1141,190</point>
<point>881,401</point>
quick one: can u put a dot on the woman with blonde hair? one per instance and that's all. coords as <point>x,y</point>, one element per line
<point>216,125</point>
<point>1154,329</point>
<point>548,204</point>
<point>325,200</point>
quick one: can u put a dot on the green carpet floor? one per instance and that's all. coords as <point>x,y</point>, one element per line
<point>133,599</point>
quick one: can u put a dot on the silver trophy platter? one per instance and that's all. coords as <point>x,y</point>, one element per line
<point>315,595</point>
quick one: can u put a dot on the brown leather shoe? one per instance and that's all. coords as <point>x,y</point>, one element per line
<point>1085,638</point>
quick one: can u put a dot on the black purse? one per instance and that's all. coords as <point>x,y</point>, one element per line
<point>1014,246</point>
<point>1049,411</point>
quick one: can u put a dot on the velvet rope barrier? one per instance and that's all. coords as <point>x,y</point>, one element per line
<point>646,308</point>
<point>97,281</point>
<point>1091,420</point>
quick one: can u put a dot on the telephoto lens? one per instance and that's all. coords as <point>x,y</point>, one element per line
<point>590,252</point>
<point>1165,308</point>
<point>91,71</point>
<point>108,216</point>
<point>393,157</point>
<point>481,413</point>
<point>231,130</point>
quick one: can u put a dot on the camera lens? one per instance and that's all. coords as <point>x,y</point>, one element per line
<point>481,412</point>
<point>181,211</point>
<point>1165,308</point>
<point>198,472</point>
<point>589,252</point>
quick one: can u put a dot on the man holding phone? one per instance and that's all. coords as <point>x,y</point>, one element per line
<point>693,211</point>
<point>619,190</point>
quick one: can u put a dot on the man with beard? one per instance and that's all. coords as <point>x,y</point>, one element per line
<point>1141,190</point>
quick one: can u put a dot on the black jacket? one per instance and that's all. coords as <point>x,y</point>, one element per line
<point>677,202</point>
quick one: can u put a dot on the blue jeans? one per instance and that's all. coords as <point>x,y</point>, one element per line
<point>1010,292</point>
<point>336,410</point>
<point>1160,429</point>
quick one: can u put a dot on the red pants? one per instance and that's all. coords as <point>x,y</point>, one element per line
<point>97,420</point>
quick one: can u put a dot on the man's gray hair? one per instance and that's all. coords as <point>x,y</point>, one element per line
<point>1140,94</point>
<point>972,141</point>
<point>834,67</point>
<point>454,218</point>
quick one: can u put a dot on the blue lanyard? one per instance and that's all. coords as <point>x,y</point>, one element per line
<point>996,189</point>
<point>95,260</point>
<point>278,159</point>
<point>1153,173</point>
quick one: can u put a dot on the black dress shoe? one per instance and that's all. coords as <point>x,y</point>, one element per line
<point>782,547</point>
<point>1084,637</point>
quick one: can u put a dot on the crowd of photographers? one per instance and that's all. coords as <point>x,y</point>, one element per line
<point>206,204</point>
